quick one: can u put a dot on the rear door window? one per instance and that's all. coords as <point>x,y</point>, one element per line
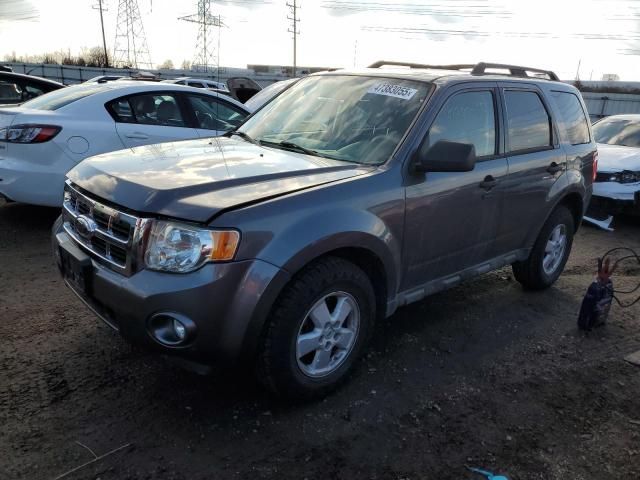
<point>467,117</point>
<point>196,84</point>
<point>147,109</point>
<point>156,109</point>
<point>528,123</point>
<point>573,118</point>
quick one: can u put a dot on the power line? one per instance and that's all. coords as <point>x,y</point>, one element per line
<point>480,33</point>
<point>294,30</point>
<point>18,10</point>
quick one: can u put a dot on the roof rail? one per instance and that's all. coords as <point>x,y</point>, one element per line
<point>514,70</point>
<point>382,63</point>
<point>477,69</point>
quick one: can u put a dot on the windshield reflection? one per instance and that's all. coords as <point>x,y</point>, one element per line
<point>349,118</point>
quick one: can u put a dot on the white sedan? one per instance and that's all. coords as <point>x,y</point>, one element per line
<point>617,185</point>
<point>41,140</point>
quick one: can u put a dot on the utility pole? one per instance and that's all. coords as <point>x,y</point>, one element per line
<point>355,53</point>
<point>294,30</point>
<point>104,40</point>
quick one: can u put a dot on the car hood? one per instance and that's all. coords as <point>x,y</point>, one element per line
<point>616,158</point>
<point>197,179</point>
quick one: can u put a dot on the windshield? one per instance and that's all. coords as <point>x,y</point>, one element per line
<point>64,96</point>
<point>351,118</point>
<point>618,131</point>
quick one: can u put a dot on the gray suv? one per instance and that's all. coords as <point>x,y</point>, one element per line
<point>347,196</point>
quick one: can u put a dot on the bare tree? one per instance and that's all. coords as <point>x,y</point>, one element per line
<point>166,65</point>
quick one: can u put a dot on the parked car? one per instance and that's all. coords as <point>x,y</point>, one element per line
<point>617,187</point>
<point>242,88</point>
<point>349,195</point>
<point>268,93</point>
<point>44,138</point>
<point>200,83</point>
<point>16,88</point>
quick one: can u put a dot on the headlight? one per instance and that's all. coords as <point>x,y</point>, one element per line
<point>625,176</point>
<point>182,248</point>
<point>629,177</point>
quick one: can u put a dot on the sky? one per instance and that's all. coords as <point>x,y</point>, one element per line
<point>589,37</point>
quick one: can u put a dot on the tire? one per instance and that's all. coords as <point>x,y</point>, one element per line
<point>535,273</point>
<point>295,324</point>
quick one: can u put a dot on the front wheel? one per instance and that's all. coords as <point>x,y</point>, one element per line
<point>550,252</point>
<point>318,328</point>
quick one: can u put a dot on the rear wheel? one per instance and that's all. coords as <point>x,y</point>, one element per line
<point>317,330</point>
<point>550,252</point>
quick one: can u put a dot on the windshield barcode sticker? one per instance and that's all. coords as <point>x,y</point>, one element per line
<point>392,90</point>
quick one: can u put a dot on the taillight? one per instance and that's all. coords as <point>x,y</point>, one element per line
<point>595,166</point>
<point>29,133</point>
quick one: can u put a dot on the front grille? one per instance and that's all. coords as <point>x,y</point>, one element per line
<point>109,235</point>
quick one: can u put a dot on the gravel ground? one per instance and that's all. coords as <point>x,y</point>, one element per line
<point>485,375</point>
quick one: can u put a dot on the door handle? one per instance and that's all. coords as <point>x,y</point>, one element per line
<point>137,136</point>
<point>554,168</point>
<point>489,182</point>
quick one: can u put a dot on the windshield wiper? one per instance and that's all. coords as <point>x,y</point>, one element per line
<point>293,146</point>
<point>242,135</point>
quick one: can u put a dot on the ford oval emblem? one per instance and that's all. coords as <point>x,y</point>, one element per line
<point>85,226</point>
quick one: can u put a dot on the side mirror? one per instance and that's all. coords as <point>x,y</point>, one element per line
<point>445,156</point>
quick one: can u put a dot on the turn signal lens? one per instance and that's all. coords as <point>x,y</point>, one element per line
<point>225,244</point>
<point>595,166</point>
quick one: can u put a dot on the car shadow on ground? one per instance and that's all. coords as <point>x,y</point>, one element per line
<point>26,218</point>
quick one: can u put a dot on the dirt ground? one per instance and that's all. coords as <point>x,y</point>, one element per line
<point>483,375</point>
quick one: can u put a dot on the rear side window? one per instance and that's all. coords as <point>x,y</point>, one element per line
<point>573,117</point>
<point>10,92</point>
<point>529,125</point>
<point>121,111</point>
<point>467,117</point>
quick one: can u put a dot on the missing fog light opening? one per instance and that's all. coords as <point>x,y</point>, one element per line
<point>180,330</point>
<point>172,329</point>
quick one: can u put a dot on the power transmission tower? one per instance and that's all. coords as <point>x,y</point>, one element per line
<point>130,49</point>
<point>294,30</point>
<point>104,40</point>
<point>206,55</point>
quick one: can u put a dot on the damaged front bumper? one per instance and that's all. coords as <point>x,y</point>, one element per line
<point>610,199</point>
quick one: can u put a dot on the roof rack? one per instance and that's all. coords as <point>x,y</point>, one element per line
<point>477,69</point>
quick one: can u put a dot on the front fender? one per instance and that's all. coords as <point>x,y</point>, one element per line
<point>324,231</point>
